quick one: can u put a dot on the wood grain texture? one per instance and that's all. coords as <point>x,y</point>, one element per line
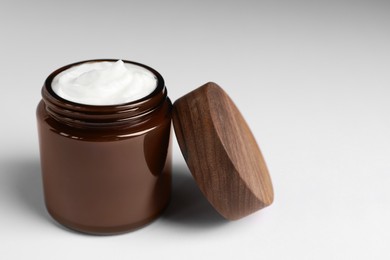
<point>221,152</point>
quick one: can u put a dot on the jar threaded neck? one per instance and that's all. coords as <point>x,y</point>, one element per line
<point>106,116</point>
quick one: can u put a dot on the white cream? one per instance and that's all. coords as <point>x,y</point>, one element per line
<point>104,83</point>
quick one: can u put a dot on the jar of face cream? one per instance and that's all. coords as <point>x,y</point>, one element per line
<point>105,142</point>
<point>104,131</point>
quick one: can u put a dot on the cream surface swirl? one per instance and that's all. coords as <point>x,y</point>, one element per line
<point>104,83</point>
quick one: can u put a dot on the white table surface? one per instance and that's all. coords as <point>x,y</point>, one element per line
<point>312,79</point>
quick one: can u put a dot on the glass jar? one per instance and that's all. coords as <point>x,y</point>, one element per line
<point>106,169</point>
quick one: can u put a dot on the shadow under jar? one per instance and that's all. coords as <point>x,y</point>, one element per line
<point>106,169</point>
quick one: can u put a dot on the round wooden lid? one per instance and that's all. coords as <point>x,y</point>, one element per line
<point>221,152</point>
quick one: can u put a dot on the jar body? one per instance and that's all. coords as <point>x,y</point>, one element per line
<point>106,180</point>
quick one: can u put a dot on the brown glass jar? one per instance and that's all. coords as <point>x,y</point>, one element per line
<point>106,169</point>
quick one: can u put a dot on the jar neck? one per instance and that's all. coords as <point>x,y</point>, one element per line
<point>91,116</point>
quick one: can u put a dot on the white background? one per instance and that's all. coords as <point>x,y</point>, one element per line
<point>312,79</point>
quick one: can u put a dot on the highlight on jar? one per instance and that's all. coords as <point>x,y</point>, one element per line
<point>105,140</point>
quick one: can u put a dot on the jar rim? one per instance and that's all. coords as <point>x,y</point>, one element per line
<point>84,114</point>
<point>48,82</point>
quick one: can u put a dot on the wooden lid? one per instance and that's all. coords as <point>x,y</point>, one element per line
<point>221,152</point>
